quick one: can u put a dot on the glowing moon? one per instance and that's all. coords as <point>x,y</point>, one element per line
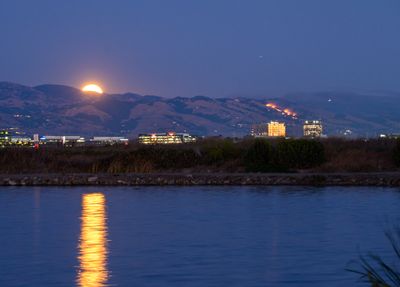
<point>92,88</point>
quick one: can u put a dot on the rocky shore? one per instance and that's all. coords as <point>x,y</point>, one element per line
<point>304,179</point>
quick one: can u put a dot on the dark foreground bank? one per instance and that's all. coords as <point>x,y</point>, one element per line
<point>209,156</point>
<point>302,179</point>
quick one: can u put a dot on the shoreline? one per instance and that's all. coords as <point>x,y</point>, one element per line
<point>389,179</point>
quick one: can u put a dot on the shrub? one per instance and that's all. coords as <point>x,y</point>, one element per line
<point>298,154</point>
<point>396,153</point>
<point>258,156</point>
<point>358,155</point>
<point>225,155</point>
<point>165,158</point>
<point>218,152</point>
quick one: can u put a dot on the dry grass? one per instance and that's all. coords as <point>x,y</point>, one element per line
<point>358,155</point>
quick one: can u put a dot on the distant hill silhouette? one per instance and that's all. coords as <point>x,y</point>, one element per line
<point>57,109</point>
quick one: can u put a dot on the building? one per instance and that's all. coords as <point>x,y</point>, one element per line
<point>276,129</point>
<point>108,141</point>
<point>21,141</point>
<point>166,138</point>
<point>312,129</point>
<point>13,138</point>
<point>259,130</point>
<point>389,136</point>
<point>5,138</point>
<point>67,141</point>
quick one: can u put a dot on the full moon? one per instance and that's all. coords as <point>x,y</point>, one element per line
<point>92,88</point>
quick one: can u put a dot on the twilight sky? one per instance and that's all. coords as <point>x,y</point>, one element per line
<point>203,47</point>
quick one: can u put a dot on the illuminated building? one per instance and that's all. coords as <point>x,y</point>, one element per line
<point>71,141</point>
<point>36,138</point>
<point>276,129</point>
<point>312,129</point>
<point>36,141</point>
<point>166,138</point>
<point>5,138</point>
<point>67,141</point>
<point>108,140</point>
<point>21,141</point>
<point>259,130</point>
<point>348,133</point>
<point>93,242</point>
<point>390,136</point>
<point>12,138</point>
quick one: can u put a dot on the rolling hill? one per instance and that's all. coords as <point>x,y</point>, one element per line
<point>57,109</point>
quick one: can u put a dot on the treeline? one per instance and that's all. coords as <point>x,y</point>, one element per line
<point>210,155</point>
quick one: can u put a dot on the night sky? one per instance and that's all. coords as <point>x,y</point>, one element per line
<point>204,47</point>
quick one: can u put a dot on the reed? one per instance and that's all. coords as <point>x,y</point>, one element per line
<point>376,271</point>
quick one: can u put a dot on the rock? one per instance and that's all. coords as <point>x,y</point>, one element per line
<point>12,182</point>
<point>92,179</point>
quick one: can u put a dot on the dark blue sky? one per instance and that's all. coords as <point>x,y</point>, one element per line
<point>209,47</point>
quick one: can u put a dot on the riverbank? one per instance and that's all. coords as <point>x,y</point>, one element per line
<point>390,179</point>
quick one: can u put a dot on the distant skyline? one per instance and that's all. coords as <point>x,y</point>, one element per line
<point>216,48</point>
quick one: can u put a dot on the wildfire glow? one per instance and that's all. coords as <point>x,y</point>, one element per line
<point>283,111</point>
<point>92,88</point>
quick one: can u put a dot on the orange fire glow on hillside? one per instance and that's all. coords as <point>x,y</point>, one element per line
<point>283,111</point>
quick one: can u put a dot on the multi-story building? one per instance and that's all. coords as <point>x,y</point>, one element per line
<point>12,137</point>
<point>259,130</point>
<point>108,140</point>
<point>390,136</point>
<point>67,141</point>
<point>312,129</point>
<point>166,138</point>
<point>5,138</point>
<point>276,129</point>
<point>21,141</point>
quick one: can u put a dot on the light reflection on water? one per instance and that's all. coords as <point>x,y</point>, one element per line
<point>93,242</point>
<point>191,236</point>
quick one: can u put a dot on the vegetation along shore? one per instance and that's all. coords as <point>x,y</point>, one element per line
<point>210,161</point>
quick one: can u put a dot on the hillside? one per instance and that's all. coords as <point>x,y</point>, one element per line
<point>56,109</point>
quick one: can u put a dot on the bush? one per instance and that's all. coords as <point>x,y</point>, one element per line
<point>358,155</point>
<point>174,158</point>
<point>258,156</point>
<point>298,154</point>
<point>218,152</point>
<point>210,155</point>
<point>396,153</point>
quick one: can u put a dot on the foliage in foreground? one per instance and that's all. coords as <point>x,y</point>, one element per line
<point>284,155</point>
<point>396,153</point>
<point>210,155</point>
<point>258,156</point>
<point>375,271</point>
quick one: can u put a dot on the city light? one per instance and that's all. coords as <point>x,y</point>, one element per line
<point>312,129</point>
<point>276,129</point>
<point>166,138</point>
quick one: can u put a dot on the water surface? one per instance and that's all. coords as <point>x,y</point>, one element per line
<point>190,236</point>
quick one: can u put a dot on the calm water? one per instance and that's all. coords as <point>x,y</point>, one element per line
<point>190,236</point>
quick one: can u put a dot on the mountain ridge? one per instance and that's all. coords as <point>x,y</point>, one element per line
<point>61,109</point>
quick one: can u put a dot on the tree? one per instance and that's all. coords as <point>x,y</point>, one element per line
<point>258,156</point>
<point>396,153</point>
<point>298,154</point>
